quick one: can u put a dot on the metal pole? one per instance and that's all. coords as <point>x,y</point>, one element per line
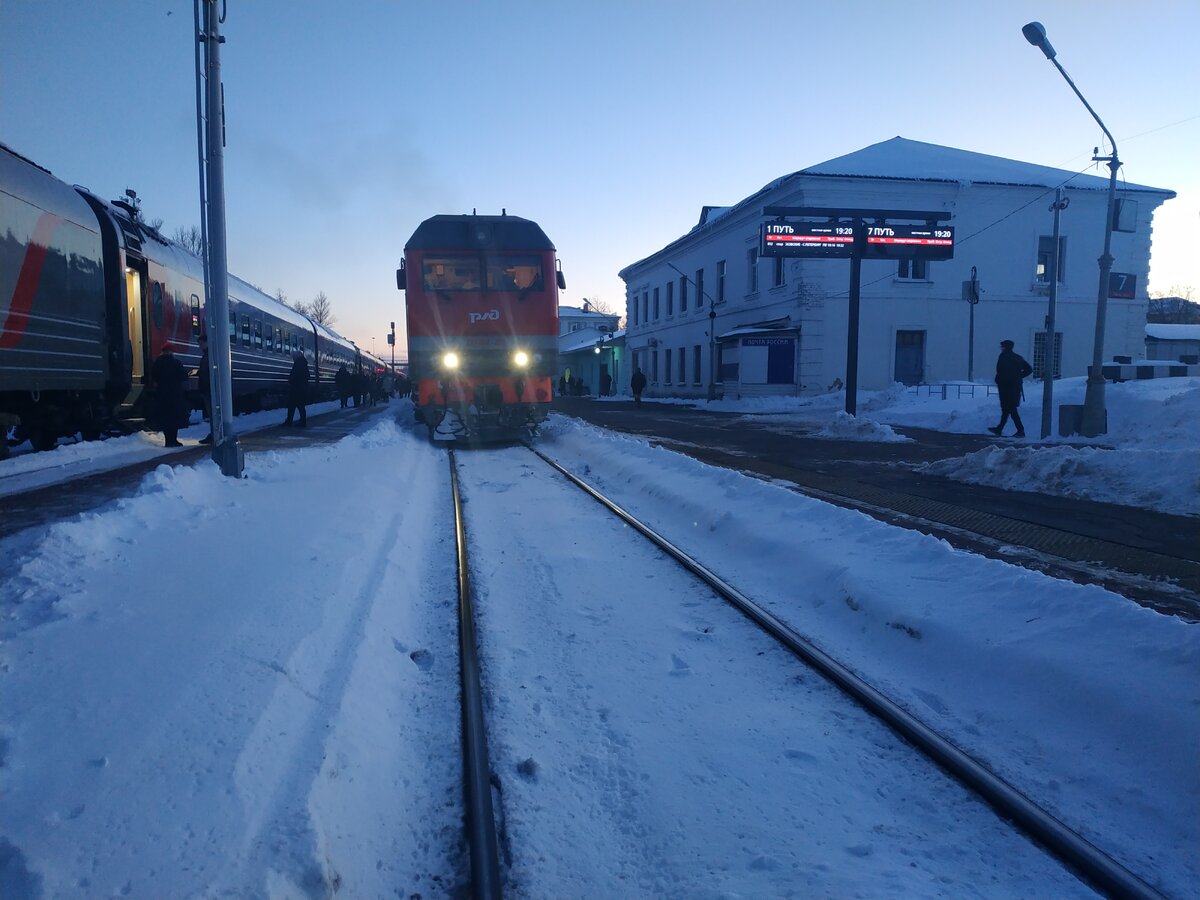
<point>226,451</point>
<point>852,333</point>
<point>712,354</point>
<point>1095,419</point>
<point>1048,348</point>
<point>972,301</point>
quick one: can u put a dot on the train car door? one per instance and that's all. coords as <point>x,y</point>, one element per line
<point>133,299</point>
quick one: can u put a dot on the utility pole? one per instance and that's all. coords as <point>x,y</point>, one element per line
<point>1048,355</point>
<point>226,451</point>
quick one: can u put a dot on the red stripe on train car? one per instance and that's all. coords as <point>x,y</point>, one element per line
<point>17,319</point>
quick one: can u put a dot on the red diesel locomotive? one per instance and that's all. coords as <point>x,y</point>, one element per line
<point>482,312</point>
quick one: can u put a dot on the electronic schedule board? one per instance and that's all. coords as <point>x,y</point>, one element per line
<point>908,242</point>
<point>842,240</point>
<point>808,239</point>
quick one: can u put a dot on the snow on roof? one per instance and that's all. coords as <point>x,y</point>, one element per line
<point>576,311</point>
<point>907,160</point>
<point>583,339</point>
<point>1164,332</point>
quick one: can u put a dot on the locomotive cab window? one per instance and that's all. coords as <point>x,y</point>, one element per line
<point>195,301</point>
<point>451,273</point>
<point>514,273</point>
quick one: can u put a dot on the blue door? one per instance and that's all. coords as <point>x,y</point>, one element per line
<point>910,357</point>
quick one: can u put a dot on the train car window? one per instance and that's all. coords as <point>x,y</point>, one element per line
<point>156,305</point>
<point>269,338</point>
<point>232,326</point>
<point>195,316</point>
<point>295,343</point>
<point>514,273</point>
<point>246,331</point>
<point>451,273</point>
<point>258,334</point>
<point>279,340</point>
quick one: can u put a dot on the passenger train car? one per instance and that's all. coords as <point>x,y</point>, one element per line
<point>482,313</point>
<point>90,295</point>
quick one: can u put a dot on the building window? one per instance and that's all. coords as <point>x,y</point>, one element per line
<point>670,298</point>
<point>699,288</point>
<point>1039,354</point>
<point>696,364</point>
<point>752,270</point>
<point>682,365</point>
<point>913,270</point>
<point>654,367</point>
<point>633,311</point>
<point>667,366</point>
<point>721,281</point>
<point>1045,252</point>
<point>779,271</point>
<point>657,312</point>
<point>683,293</point>
<point>645,307</point>
<point>1125,215</point>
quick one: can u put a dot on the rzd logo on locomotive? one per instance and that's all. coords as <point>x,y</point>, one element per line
<point>492,315</point>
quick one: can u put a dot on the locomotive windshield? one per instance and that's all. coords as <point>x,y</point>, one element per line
<point>514,273</point>
<point>507,272</point>
<point>451,273</point>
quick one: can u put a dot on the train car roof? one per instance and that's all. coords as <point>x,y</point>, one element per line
<point>479,233</point>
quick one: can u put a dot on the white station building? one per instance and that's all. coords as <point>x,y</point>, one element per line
<point>706,314</point>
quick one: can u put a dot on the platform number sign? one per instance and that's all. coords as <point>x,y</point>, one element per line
<point>909,242</point>
<point>808,239</point>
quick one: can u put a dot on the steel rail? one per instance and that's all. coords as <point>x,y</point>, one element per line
<point>480,819</point>
<point>1088,861</point>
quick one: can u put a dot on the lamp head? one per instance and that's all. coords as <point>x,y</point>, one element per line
<point>1035,33</point>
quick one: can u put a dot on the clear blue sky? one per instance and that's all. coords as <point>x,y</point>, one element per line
<point>610,122</point>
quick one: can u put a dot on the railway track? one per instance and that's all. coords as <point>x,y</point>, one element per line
<point>1089,863</point>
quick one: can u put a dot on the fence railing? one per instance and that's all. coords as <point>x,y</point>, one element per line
<point>953,390</point>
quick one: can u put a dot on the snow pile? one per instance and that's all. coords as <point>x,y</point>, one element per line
<point>853,428</point>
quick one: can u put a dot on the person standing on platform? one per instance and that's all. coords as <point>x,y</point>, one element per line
<point>170,401</point>
<point>1011,370</point>
<point>298,389</point>
<point>204,379</point>
<point>637,384</point>
<point>342,380</point>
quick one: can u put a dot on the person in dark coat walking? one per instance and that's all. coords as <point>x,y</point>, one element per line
<point>298,389</point>
<point>637,384</point>
<point>342,380</point>
<point>1011,370</point>
<point>170,402</point>
<point>204,379</point>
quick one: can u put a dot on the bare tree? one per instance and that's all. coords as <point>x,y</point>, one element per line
<point>1174,306</point>
<point>189,239</point>
<point>321,310</point>
<point>598,305</point>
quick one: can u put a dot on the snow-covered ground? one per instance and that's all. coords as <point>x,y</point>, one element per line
<point>221,687</point>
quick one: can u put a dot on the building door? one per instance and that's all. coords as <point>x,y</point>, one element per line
<point>910,357</point>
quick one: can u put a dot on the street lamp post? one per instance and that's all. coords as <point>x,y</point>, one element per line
<point>1094,417</point>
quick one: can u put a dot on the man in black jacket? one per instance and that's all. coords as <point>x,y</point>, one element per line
<point>637,384</point>
<point>298,389</point>
<point>204,382</point>
<point>1011,370</point>
<point>170,401</point>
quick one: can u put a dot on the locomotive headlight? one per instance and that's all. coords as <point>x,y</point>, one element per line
<point>450,360</point>
<point>521,359</point>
